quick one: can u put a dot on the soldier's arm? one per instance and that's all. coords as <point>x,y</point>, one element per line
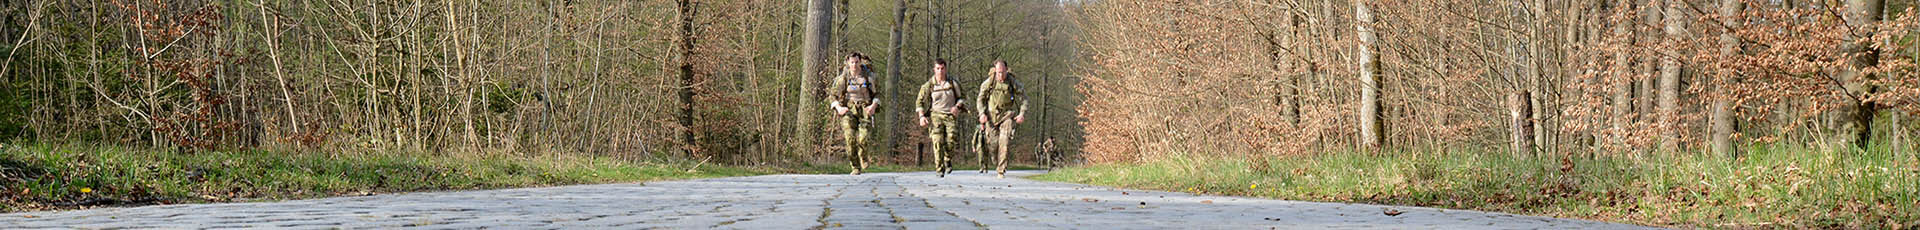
<point>837,92</point>
<point>873,90</point>
<point>959,99</point>
<point>983,96</point>
<point>920,99</point>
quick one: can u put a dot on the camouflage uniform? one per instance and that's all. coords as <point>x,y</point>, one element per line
<point>937,104</point>
<point>853,91</point>
<point>997,100</point>
<point>1049,156</point>
<point>981,146</point>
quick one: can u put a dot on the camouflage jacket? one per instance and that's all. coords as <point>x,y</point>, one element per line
<point>944,96</point>
<point>997,99</point>
<point>854,90</point>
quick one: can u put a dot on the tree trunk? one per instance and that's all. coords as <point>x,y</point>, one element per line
<point>1623,88</point>
<point>893,81</point>
<point>1720,139</point>
<point>840,28</point>
<point>818,38</point>
<point>1857,123</point>
<point>1372,132</point>
<point>686,78</point>
<point>1290,83</point>
<point>1668,101</point>
<point>1520,106</point>
<point>1649,66</point>
<point>1537,73</point>
<point>273,54</point>
<point>459,73</point>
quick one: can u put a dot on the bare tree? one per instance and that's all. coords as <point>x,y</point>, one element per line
<point>819,38</point>
<point>893,82</point>
<point>1372,131</point>
<point>687,13</point>
<point>1521,109</point>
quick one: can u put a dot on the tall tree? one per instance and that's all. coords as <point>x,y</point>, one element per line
<point>893,83</point>
<point>1651,14</point>
<point>1622,97</point>
<point>1290,93</point>
<point>1372,132</point>
<point>1521,110</point>
<point>819,38</point>
<point>1668,102</point>
<point>1720,116</point>
<point>686,77</point>
<point>1856,126</point>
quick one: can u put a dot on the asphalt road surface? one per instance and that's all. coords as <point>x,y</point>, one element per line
<point>966,200</point>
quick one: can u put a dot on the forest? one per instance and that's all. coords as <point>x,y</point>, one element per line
<point>1526,77</point>
<point>720,80</point>
<point>1656,112</point>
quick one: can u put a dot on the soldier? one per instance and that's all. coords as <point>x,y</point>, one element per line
<point>980,146</point>
<point>1048,154</point>
<point>944,96</point>
<point>997,97</point>
<point>854,100</point>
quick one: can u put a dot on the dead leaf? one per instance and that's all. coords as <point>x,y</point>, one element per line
<point>1089,199</point>
<point>1206,201</point>
<point>1391,212</point>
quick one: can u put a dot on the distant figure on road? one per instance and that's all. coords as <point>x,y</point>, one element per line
<point>997,97</point>
<point>938,101</point>
<point>1049,154</point>
<point>854,100</point>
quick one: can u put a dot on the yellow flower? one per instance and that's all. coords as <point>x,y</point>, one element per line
<point>1253,186</point>
<point>86,190</point>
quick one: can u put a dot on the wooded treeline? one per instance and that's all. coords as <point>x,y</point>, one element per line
<point>639,79</point>
<point>1529,76</point>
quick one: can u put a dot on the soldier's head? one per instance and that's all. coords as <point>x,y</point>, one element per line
<point>940,69</point>
<point>1000,69</point>
<point>853,60</point>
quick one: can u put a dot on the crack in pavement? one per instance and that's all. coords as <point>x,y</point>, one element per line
<point>964,200</point>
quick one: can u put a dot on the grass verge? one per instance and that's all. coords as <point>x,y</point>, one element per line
<point>53,177</point>
<point>1767,188</point>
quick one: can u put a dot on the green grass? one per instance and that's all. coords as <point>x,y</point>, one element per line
<point>1767,188</point>
<point>52,177</point>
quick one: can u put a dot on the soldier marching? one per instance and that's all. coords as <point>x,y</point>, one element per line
<point>939,101</point>
<point>938,105</point>
<point>855,101</point>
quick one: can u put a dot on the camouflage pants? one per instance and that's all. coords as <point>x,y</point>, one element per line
<point>855,128</point>
<point>996,138</point>
<point>940,129</point>
<point>980,144</point>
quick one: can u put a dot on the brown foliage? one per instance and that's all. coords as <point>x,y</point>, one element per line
<point>1194,77</point>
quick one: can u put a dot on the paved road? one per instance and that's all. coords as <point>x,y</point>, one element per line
<point>872,201</point>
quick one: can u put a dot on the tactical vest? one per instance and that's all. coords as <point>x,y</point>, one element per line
<point>944,96</point>
<point>859,90</point>
<point>999,95</point>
